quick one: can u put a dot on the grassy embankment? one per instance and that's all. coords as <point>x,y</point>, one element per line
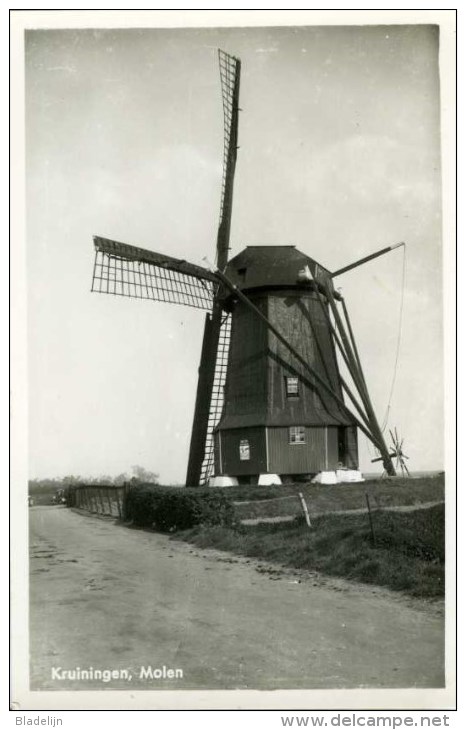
<point>407,554</point>
<point>256,502</point>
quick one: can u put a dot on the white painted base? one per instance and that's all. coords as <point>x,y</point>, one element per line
<point>224,481</point>
<point>267,480</point>
<point>349,475</point>
<point>341,476</point>
<point>325,477</point>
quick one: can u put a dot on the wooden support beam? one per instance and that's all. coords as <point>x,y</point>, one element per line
<point>367,258</point>
<point>315,334</point>
<point>350,395</point>
<point>350,360</point>
<point>387,462</point>
<point>358,381</point>
<point>353,341</point>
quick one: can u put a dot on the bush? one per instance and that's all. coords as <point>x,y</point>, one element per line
<point>168,509</point>
<point>419,534</point>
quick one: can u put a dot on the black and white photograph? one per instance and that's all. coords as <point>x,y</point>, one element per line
<point>235,452</point>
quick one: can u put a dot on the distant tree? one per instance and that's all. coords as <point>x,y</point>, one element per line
<point>36,486</point>
<point>121,479</point>
<point>143,476</point>
<point>70,480</point>
<point>138,475</point>
<point>104,479</point>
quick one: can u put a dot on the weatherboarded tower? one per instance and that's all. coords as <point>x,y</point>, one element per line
<point>275,420</point>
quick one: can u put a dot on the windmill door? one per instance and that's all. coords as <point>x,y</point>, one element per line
<point>242,451</point>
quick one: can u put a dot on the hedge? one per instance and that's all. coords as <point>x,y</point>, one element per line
<point>169,508</point>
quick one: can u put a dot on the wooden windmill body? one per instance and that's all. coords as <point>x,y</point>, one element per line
<point>271,398</point>
<point>274,420</point>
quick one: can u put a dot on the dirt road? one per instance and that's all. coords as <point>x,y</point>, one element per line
<point>108,598</point>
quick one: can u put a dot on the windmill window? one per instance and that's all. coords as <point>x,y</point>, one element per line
<point>292,387</point>
<point>242,274</point>
<point>244,450</point>
<point>297,435</point>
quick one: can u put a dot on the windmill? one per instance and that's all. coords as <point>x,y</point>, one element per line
<point>271,395</point>
<point>396,453</point>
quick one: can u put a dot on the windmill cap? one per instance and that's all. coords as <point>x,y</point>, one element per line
<point>271,266</point>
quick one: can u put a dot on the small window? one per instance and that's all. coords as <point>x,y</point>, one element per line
<point>242,275</point>
<point>292,387</point>
<point>244,450</point>
<point>297,435</point>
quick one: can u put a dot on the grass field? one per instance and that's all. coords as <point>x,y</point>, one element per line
<point>408,553</point>
<point>256,502</point>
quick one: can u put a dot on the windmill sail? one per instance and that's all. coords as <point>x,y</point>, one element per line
<point>230,68</point>
<point>130,271</point>
<point>207,410</point>
<point>217,399</point>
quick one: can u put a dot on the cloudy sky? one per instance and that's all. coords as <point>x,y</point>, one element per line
<point>339,155</point>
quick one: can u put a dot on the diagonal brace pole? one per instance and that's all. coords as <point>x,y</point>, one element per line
<point>387,462</point>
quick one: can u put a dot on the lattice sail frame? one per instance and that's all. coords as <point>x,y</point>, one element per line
<point>229,79</point>
<point>129,271</point>
<point>218,398</point>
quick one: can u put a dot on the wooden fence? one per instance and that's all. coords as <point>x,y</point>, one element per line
<point>98,499</point>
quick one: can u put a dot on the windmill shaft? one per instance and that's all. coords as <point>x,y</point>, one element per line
<point>364,260</point>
